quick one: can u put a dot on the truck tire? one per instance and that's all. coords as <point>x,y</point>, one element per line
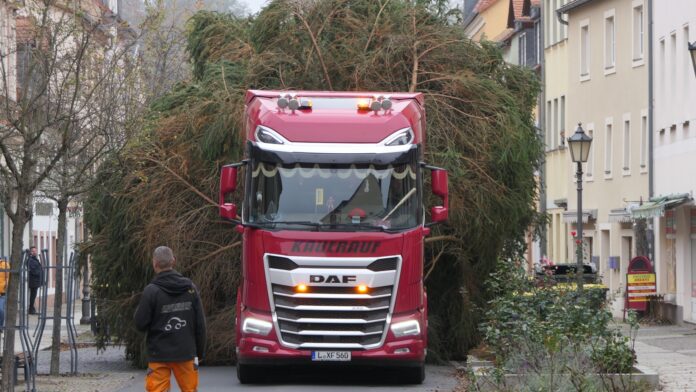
<point>414,375</point>
<point>247,374</point>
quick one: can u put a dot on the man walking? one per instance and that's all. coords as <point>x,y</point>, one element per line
<point>35,278</point>
<point>171,313</point>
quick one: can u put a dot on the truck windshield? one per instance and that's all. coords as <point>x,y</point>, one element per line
<point>334,197</point>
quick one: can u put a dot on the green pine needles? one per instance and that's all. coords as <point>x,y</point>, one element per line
<point>161,189</point>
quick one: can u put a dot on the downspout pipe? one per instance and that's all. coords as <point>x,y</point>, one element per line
<point>651,127</point>
<point>559,15</point>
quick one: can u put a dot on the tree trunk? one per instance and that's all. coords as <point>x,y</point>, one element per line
<point>58,297</point>
<point>12,292</point>
<point>640,233</point>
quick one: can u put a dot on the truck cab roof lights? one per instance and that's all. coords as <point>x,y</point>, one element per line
<point>399,138</point>
<point>269,136</point>
<point>376,103</point>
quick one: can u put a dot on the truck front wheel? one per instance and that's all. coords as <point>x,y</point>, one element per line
<point>247,374</point>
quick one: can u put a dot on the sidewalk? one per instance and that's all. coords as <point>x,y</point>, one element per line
<point>33,321</point>
<point>671,351</point>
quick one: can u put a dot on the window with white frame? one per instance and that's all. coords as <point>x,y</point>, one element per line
<point>548,22</point>
<point>687,61</point>
<point>643,141</point>
<point>607,149</point>
<point>673,59</point>
<point>537,43</point>
<point>638,33</point>
<point>549,126</point>
<point>609,41</point>
<point>522,44</point>
<point>562,120</point>
<point>556,118</point>
<point>590,159</point>
<point>556,25</point>
<point>627,145</point>
<point>585,50</point>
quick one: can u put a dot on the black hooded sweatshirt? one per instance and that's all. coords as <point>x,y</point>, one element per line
<point>171,313</point>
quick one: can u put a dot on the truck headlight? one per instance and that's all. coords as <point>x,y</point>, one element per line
<point>406,328</point>
<point>256,326</point>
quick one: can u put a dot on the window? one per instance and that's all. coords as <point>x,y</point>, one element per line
<point>555,123</point>
<point>662,69</point>
<point>562,121</point>
<point>673,59</point>
<point>585,51</point>
<point>607,149</point>
<point>522,44</point>
<point>547,23</point>
<point>609,41</point>
<point>638,34</point>
<point>627,146</point>
<point>563,28</point>
<point>549,126</point>
<point>556,25</point>
<point>643,141</point>
<point>590,158</point>
<point>537,44</point>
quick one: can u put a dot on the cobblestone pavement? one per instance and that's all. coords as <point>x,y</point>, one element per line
<point>671,351</point>
<point>104,371</point>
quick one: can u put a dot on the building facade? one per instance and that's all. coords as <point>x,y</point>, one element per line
<point>674,147</point>
<point>608,94</point>
<point>555,123</point>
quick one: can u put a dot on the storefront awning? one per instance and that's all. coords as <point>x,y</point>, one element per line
<point>657,205</point>
<point>572,216</point>
<point>623,215</point>
<point>620,215</point>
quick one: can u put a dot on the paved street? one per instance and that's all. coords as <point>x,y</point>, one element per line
<point>671,351</point>
<point>213,379</point>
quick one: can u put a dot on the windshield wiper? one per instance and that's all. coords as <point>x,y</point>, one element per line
<point>359,226</point>
<point>302,223</point>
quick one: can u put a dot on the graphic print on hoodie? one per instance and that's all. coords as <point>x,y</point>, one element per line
<point>171,314</point>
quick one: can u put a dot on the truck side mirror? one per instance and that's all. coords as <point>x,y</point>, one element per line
<point>228,184</point>
<point>439,182</point>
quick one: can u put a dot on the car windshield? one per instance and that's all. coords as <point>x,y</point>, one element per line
<point>328,196</point>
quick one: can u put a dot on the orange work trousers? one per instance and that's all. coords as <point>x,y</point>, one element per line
<point>159,375</point>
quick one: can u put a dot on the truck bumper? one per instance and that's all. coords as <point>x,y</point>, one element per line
<point>258,351</point>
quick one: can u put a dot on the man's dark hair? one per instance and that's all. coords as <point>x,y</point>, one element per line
<point>32,247</point>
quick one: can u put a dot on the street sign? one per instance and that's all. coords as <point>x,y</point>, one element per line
<point>640,283</point>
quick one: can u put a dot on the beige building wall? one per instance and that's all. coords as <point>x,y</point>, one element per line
<point>555,126</point>
<point>495,19</point>
<point>611,102</point>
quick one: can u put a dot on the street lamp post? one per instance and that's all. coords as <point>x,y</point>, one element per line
<point>579,145</point>
<point>692,49</point>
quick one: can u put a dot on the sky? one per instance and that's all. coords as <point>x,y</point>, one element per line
<point>253,5</point>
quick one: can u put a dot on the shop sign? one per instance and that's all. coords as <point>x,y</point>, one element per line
<point>641,283</point>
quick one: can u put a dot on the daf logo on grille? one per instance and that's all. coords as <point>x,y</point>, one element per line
<point>332,278</point>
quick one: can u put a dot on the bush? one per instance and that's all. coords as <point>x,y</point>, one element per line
<point>557,337</point>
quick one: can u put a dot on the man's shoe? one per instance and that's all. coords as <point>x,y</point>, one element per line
<point>32,311</point>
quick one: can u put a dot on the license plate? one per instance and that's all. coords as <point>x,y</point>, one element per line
<point>330,355</point>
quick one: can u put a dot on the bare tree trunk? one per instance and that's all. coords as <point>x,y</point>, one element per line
<point>19,220</point>
<point>58,297</point>
<point>640,233</point>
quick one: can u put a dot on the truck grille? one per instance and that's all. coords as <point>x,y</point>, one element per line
<point>332,315</point>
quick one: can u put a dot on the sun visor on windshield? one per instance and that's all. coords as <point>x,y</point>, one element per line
<point>384,158</point>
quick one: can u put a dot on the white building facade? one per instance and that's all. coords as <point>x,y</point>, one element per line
<point>674,149</point>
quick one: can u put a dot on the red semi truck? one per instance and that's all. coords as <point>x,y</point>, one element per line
<point>333,225</point>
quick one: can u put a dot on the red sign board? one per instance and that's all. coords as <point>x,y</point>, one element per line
<point>640,283</point>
